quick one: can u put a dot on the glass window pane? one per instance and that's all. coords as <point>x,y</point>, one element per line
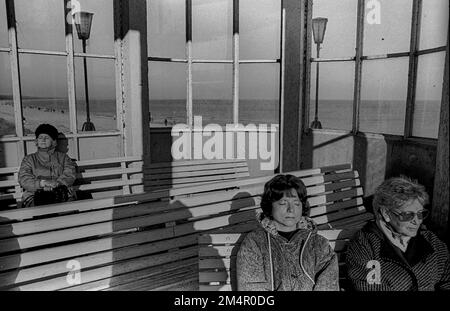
<point>383,96</point>
<point>340,33</point>
<point>3,26</point>
<point>167,86</point>
<point>166,28</point>
<point>44,100</point>
<point>7,120</point>
<point>427,106</point>
<point>335,105</point>
<point>101,40</point>
<point>393,33</point>
<point>434,24</point>
<point>212,93</point>
<point>40,24</point>
<point>259,92</point>
<point>259,29</point>
<point>212,29</point>
<point>101,91</point>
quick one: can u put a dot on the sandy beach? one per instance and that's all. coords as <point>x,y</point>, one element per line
<point>58,118</point>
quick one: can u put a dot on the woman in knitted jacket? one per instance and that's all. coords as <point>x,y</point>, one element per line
<point>285,253</point>
<point>396,252</point>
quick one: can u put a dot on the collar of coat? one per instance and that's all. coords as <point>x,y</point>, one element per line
<point>421,247</point>
<point>269,225</point>
<point>49,151</point>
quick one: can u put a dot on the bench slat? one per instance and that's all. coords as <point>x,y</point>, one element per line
<point>96,259</point>
<point>109,271</point>
<point>171,175</point>
<point>193,163</point>
<point>195,168</point>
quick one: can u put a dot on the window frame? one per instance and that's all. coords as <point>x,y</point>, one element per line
<point>359,59</point>
<point>235,62</point>
<point>14,52</point>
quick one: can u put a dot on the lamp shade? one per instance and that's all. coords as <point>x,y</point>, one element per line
<point>319,25</point>
<point>83,22</point>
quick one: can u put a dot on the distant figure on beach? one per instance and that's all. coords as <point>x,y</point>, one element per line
<point>165,122</point>
<point>47,175</point>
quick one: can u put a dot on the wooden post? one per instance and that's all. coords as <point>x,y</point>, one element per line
<point>439,210</point>
<point>15,71</point>
<point>135,78</point>
<point>358,66</point>
<point>412,72</point>
<point>292,60</point>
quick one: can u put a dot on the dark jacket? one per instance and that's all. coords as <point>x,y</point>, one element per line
<point>375,264</point>
<point>48,165</point>
<point>304,263</point>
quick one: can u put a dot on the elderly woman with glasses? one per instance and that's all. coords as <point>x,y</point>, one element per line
<point>395,252</point>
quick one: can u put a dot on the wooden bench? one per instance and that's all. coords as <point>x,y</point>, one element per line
<point>110,177</point>
<point>336,206</point>
<point>145,241</point>
<point>97,178</point>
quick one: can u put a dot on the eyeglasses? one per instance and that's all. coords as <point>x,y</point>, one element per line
<point>408,216</point>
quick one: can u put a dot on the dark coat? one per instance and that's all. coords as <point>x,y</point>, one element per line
<point>375,264</point>
<point>304,263</point>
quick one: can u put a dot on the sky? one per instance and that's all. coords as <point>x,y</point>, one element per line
<point>41,26</point>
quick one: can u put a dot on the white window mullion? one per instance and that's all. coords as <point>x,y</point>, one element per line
<point>119,72</point>
<point>71,80</point>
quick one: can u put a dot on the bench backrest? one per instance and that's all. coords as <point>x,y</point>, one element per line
<point>116,176</point>
<point>171,175</point>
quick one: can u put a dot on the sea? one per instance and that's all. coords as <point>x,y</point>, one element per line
<point>376,116</point>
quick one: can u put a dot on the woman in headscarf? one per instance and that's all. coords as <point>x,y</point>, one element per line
<point>46,173</point>
<point>396,252</point>
<point>285,253</point>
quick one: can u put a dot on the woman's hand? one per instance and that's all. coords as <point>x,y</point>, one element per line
<point>49,185</point>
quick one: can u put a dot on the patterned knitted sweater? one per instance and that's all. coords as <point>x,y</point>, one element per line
<point>304,263</point>
<point>375,264</point>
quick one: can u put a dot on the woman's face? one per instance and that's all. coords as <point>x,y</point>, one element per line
<point>398,218</point>
<point>44,141</point>
<point>287,211</point>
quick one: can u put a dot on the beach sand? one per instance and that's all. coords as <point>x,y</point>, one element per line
<point>60,119</point>
<point>34,116</point>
